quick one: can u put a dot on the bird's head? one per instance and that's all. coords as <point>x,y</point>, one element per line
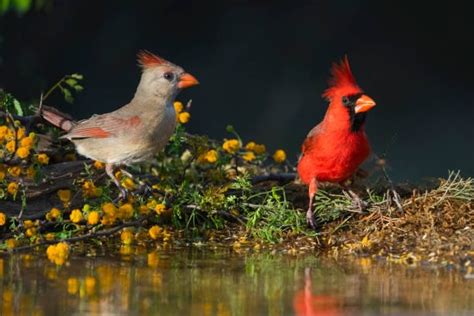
<point>161,78</point>
<point>344,93</point>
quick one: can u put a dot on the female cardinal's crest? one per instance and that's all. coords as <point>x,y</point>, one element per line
<point>342,80</point>
<point>148,60</point>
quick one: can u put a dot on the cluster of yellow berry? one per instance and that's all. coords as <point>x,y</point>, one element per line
<point>181,116</point>
<point>107,214</point>
<point>127,236</point>
<point>58,253</point>
<point>249,152</point>
<point>14,143</point>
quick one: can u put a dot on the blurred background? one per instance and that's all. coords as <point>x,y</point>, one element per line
<point>263,66</point>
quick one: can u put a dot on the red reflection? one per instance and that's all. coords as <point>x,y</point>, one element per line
<point>306,303</point>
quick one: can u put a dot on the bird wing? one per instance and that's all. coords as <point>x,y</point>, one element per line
<point>102,126</point>
<point>308,142</point>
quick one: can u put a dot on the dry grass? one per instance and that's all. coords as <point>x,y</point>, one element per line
<point>435,226</point>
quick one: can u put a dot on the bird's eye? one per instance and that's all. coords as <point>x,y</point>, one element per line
<point>168,76</point>
<point>345,100</point>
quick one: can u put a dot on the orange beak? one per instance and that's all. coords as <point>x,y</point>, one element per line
<point>363,104</point>
<point>186,80</point>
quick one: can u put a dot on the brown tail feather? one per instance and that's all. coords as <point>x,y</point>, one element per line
<point>57,118</point>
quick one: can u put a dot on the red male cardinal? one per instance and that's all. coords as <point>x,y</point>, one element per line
<point>136,131</point>
<point>334,149</point>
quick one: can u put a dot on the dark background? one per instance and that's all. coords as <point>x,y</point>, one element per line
<point>263,66</point>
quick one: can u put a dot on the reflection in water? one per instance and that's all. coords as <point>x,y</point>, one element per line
<point>202,282</point>
<point>306,303</point>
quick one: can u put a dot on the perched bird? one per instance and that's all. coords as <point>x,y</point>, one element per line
<point>334,149</point>
<point>137,130</point>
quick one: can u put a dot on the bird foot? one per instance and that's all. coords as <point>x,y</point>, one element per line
<point>127,174</point>
<point>123,195</point>
<point>395,197</point>
<point>143,189</point>
<point>310,219</point>
<point>358,205</point>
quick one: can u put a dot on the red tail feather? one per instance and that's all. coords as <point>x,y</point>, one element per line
<point>57,118</point>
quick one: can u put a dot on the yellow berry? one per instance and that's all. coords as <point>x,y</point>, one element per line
<point>11,146</point>
<point>27,142</point>
<point>211,156</point>
<point>184,117</point>
<point>178,107</point>
<point>259,149</point>
<point>14,171</point>
<point>64,195</point>
<point>53,214</point>
<point>160,208</point>
<point>109,209</point>
<point>126,237</point>
<point>3,219</point>
<point>279,156</point>
<point>231,146</point>
<point>12,188</point>
<point>76,216</point>
<point>125,211</point>
<point>155,232</point>
<point>43,159</point>
<point>21,132</point>
<point>93,218</point>
<point>23,152</point>
<point>99,165</point>
<point>249,156</point>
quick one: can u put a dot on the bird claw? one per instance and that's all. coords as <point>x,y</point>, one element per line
<point>396,198</point>
<point>123,195</point>
<point>358,205</point>
<point>144,189</point>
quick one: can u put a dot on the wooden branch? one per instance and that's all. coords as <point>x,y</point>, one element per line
<point>41,197</point>
<point>280,177</point>
<point>101,233</point>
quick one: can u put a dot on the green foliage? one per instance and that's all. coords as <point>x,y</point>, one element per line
<point>23,6</point>
<point>271,216</point>
<point>68,85</point>
<point>10,104</point>
<point>330,206</point>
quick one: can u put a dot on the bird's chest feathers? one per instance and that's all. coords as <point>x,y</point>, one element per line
<point>159,126</point>
<point>154,133</point>
<point>335,156</point>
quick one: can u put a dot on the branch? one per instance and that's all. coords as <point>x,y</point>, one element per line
<point>101,233</point>
<point>280,177</point>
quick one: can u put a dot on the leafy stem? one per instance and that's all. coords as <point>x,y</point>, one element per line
<point>65,85</point>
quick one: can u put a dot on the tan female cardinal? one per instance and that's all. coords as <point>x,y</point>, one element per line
<point>136,131</point>
<point>334,149</point>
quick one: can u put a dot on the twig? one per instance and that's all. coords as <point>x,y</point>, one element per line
<point>396,196</point>
<point>232,216</point>
<point>56,85</point>
<point>241,220</point>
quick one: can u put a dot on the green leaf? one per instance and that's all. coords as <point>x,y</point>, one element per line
<point>22,6</point>
<point>77,76</point>
<point>18,107</point>
<point>230,129</point>
<point>4,5</point>
<point>63,235</point>
<point>67,95</point>
<point>71,82</point>
<point>78,88</point>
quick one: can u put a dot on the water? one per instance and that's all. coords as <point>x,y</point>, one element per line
<point>193,281</point>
